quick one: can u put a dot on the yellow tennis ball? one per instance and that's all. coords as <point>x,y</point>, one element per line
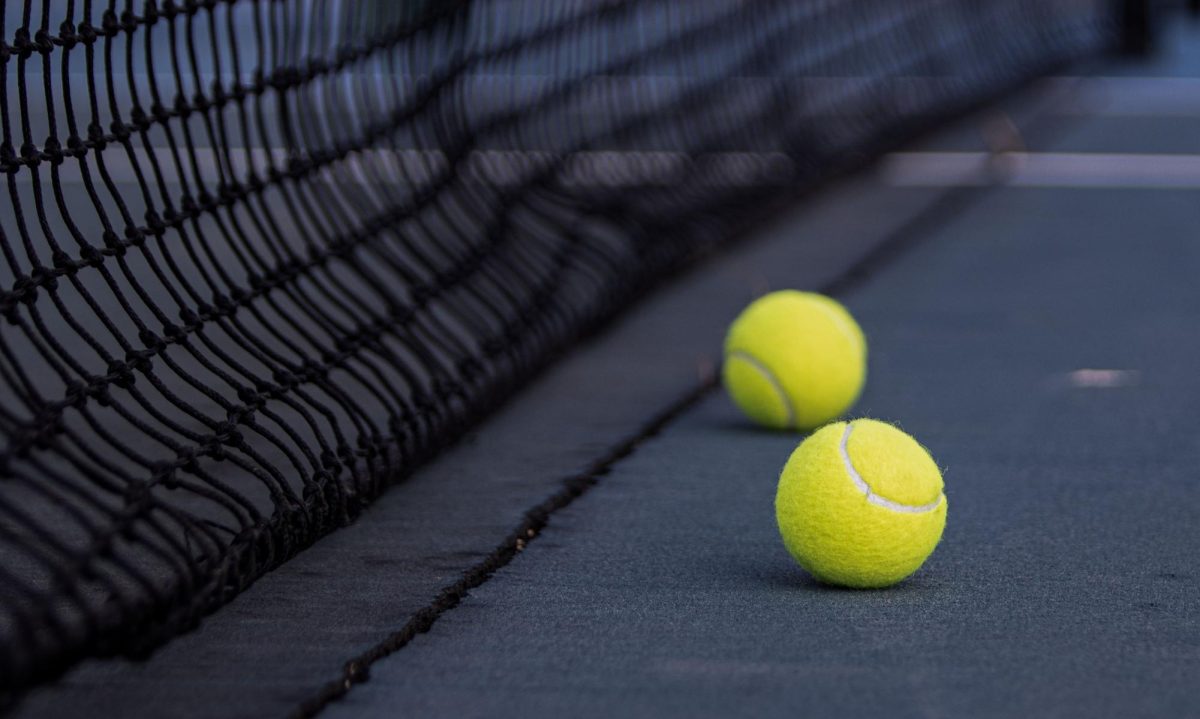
<point>860,504</point>
<point>794,360</point>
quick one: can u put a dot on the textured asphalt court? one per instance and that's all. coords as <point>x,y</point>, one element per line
<point>1066,582</point>
<point>1043,345</point>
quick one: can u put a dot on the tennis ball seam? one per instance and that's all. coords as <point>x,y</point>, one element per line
<point>866,489</point>
<point>776,385</point>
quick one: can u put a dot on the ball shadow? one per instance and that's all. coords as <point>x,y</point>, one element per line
<point>747,427</point>
<point>779,576</point>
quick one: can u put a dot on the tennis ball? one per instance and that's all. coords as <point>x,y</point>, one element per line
<point>860,504</point>
<point>794,360</point>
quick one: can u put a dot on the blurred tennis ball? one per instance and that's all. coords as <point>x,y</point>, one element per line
<point>860,504</point>
<point>794,360</point>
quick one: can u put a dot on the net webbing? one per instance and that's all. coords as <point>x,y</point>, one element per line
<point>263,257</point>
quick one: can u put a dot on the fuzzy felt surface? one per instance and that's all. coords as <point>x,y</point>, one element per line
<point>860,504</point>
<point>794,360</point>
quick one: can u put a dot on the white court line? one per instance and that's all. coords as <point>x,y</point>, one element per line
<point>1041,169</point>
<point>1129,96</point>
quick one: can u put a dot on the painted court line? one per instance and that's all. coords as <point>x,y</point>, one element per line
<point>1041,169</point>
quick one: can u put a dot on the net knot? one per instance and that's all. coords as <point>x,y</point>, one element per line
<point>30,154</point>
<point>129,21</point>
<point>173,332</point>
<point>22,45</point>
<point>134,236</point>
<point>76,395</point>
<point>152,341</point>
<point>109,22</point>
<point>206,201</point>
<point>96,135</point>
<point>258,83</point>
<point>182,108</point>
<point>228,435</point>
<point>91,256</point>
<point>43,42</point>
<point>76,146</point>
<point>87,33</point>
<point>97,389</point>
<point>139,119</point>
<point>150,12</point>
<point>139,360</point>
<point>213,448</point>
<point>120,374</point>
<point>24,290</point>
<point>222,303</point>
<point>45,278</point>
<point>188,459</point>
<point>155,223</point>
<point>52,151</point>
<point>284,77</point>
<point>121,132</point>
<point>200,103</point>
<point>159,113</point>
<point>311,371</point>
<point>114,244</point>
<point>67,37</point>
<point>241,415</point>
<point>64,263</point>
<point>318,66</point>
<point>230,191</point>
<point>219,96</point>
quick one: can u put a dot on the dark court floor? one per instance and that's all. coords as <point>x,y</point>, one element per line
<point>1040,337</point>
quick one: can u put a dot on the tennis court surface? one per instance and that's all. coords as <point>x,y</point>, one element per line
<point>364,359</point>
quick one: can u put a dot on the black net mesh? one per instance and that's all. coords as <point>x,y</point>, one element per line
<point>261,258</point>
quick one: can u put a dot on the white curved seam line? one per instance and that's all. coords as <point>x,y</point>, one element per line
<point>846,328</point>
<point>762,369</point>
<point>866,488</point>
